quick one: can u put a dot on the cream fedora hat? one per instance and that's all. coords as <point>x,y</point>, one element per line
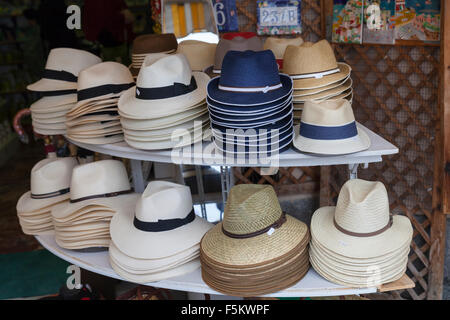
<point>313,65</point>
<point>50,184</point>
<point>360,226</point>
<point>102,81</point>
<point>102,183</point>
<point>329,127</point>
<point>164,214</point>
<point>199,54</point>
<point>62,70</point>
<point>163,88</point>
<point>55,103</point>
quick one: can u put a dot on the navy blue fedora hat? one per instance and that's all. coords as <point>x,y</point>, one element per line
<point>237,150</point>
<point>236,118</point>
<point>261,140</point>
<point>250,109</point>
<point>235,113</point>
<point>281,123</point>
<point>249,78</point>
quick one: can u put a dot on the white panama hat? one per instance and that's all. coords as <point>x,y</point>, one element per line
<point>329,127</point>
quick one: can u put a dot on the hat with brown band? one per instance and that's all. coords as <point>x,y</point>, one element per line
<point>360,232</point>
<point>255,238</point>
<point>151,43</point>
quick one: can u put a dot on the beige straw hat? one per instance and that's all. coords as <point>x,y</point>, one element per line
<point>360,226</point>
<point>199,54</point>
<point>62,69</point>
<point>254,229</point>
<point>329,127</point>
<point>50,184</point>
<point>279,45</point>
<point>313,65</point>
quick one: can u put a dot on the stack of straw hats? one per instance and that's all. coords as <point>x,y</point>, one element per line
<point>58,87</point>
<point>316,73</point>
<point>161,238</point>
<point>250,105</point>
<point>199,54</point>
<point>278,47</point>
<point>257,249</point>
<point>149,44</point>
<point>329,128</point>
<point>50,186</point>
<point>94,119</point>
<point>358,243</point>
<point>98,191</point>
<point>167,107</point>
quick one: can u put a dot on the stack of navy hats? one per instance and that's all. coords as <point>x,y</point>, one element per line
<point>250,105</point>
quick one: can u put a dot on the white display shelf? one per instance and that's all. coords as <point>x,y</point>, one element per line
<point>312,285</point>
<point>203,155</point>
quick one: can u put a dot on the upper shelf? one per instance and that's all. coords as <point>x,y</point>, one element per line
<point>206,155</point>
<point>312,285</point>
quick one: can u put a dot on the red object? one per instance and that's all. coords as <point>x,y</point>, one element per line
<point>280,64</point>
<point>232,35</point>
<point>18,126</point>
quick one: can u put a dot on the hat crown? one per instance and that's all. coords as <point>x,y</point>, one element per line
<point>236,44</point>
<point>199,54</point>
<point>164,200</point>
<point>279,45</point>
<point>51,175</point>
<point>103,74</point>
<point>97,178</point>
<point>309,58</point>
<point>249,69</point>
<point>70,60</point>
<point>328,113</point>
<point>165,71</point>
<point>362,206</point>
<point>251,208</point>
<point>151,43</point>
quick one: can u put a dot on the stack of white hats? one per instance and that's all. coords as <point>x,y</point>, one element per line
<point>358,243</point>
<point>167,107</point>
<point>94,118</point>
<point>316,74</point>
<point>161,238</point>
<point>59,87</point>
<point>98,191</point>
<point>50,183</point>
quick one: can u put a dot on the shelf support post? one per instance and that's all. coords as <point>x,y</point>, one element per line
<point>137,175</point>
<point>353,168</point>
<point>227,181</point>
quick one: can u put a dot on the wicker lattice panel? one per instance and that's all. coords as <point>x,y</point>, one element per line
<point>396,94</point>
<point>311,19</point>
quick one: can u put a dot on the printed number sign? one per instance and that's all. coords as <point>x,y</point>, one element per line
<point>278,17</point>
<point>226,15</point>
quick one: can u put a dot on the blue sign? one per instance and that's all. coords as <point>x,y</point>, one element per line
<point>226,15</point>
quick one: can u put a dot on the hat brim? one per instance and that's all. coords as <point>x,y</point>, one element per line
<point>46,120</point>
<point>181,141</point>
<point>49,132</point>
<point>240,150</point>
<point>52,126</point>
<point>255,120</point>
<point>250,134</point>
<point>134,242</point>
<point>332,147</point>
<point>130,106</point>
<point>313,83</point>
<point>50,85</point>
<point>247,111</point>
<point>325,232</point>
<point>249,98</point>
<point>337,91</point>
<point>105,140</point>
<point>243,252</point>
<point>254,141</point>
<point>307,92</point>
<point>89,120</point>
<point>144,137</point>
<point>110,97</point>
<point>92,127</point>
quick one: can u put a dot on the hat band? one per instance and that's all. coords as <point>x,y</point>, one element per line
<point>104,195</point>
<point>254,89</point>
<point>218,71</point>
<point>50,194</point>
<point>102,90</point>
<point>363,235</point>
<point>312,131</point>
<point>177,89</point>
<point>163,225</point>
<point>316,75</point>
<point>57,93</point>
<point>275,225</point>
<point>59,75</point>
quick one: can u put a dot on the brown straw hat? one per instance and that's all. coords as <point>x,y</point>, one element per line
<point>313,65</point>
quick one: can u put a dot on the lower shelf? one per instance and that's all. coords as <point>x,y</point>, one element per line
<point>312,285</point>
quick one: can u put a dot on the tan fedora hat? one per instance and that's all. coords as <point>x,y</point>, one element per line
<point>278,46</point>
<point>62,70</point>
<point>313,65</point>
<point>50,184</point>
<point>163,214</point>
<point>152,43</point>
<point>360,226</point>
<point>329,127</point>
<point>163,88</point>
<point>102,81</point>
<point>235,44</point>
<point>337,93</point>
<point>199,54</point>
<point>101,183</point>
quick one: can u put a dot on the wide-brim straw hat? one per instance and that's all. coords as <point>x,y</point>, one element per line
<point>54,104</point>
<point>312,83</point>
<point>327,94</point>
<point>305,92</point>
